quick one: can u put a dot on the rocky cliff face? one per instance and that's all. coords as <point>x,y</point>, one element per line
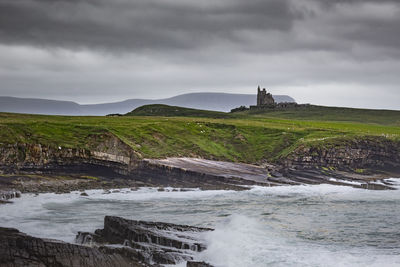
<point>105,150</point>
<point>377,153</point>
<point>108,157</point>
<point>18,249</point>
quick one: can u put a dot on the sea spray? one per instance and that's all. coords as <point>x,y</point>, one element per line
<point>242,241</point>
<point>237,241</point>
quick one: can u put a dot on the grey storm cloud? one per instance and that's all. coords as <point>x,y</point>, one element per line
<point>152,24</point>
<point>138,24</point>
<point>335,52</point>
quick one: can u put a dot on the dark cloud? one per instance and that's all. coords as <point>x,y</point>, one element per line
<point>137,24</point>
<point>315,50</point>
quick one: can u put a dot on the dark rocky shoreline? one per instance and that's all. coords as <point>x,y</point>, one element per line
<point>121,243</point>
<point>112,163</point>
<point>184,173</point>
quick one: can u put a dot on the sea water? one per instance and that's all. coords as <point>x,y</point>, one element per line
<point>312,225</point>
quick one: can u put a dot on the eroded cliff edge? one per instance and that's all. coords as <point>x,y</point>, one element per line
<point>369,152</point>
<point>363,159</point>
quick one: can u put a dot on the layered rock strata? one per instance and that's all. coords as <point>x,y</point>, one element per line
<point>154,242</point>
<point>18,249</point>
<point>269,175</point>
<point>366,153</point>
<point>106,152</point>
<point>120,243</point>
<point>108,157</point>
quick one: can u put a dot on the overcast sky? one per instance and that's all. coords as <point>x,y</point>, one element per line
<point>330,52</point>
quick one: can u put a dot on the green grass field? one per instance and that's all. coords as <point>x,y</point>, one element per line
<point>246,137</point>
<point>321,113</point>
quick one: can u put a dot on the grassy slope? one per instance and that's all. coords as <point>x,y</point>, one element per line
<point>174,111</point>
<point>239,137</point>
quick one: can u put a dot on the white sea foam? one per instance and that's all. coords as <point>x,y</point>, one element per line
<point>321,189</point>
<point>345,181</point>
<point>242,241</point>
<point>394,181</point>
<point>153,193</point>
<point>330,192</point>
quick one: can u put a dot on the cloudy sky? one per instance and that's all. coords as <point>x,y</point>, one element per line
<point>330,52</point>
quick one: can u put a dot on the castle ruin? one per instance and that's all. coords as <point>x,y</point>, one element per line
<point>266,101</point>
<point>264,98</point>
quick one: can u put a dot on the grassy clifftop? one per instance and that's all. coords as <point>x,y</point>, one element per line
<point>239,137</point>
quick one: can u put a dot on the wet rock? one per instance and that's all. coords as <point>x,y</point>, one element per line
<point>155,242</point>
<point>211,171</point>
<point>84,194</point>
<point>89,239</point>
<point>197,264</point>
<point>276,174</point>
<point>317,176</point>
<point>19,249</point>
<point>6,195</point>
<point>62,191</point>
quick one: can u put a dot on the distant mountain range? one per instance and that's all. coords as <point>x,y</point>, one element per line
<point>206,101</point>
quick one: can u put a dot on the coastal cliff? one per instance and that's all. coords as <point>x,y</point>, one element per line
<point>105,150</point>
<point>374,153</point>
<point>108,157</point>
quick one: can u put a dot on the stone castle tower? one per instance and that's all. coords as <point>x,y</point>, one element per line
<point>264,98</point>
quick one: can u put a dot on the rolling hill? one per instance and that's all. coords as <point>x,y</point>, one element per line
<point>204,101</point>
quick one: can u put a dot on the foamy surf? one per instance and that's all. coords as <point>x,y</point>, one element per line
<point>243,241</point>
<point>149,193</point>
<point>310,225</point>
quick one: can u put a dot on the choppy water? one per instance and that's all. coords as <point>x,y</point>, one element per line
<point>321,225</point>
